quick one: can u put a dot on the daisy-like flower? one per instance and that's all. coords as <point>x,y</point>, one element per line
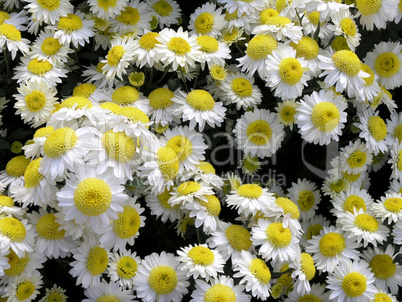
<point>188,191</point>
<point>90,198</point>
<point>325,8</point>
<point>47,11</point>
<point>108,290</point>
<point>305,194</point>
<point>330,246</point>
<point>282,28</point>
<point>255,275</point>
<point>345,25</point>
<point>375,13</point>
<point>11,37</point>
<point>321,117</point>
<point>24,288</point>
<point>93,74</point>
<point>159,277</point>
<point>238,88</point>
<point>317,292</point>
<point>304,271</point>
<point>8,208</point>
<point>312,227</point>
<point>207,20</point>
<point>178,49</point>
<point>221,288</point>
<point>397,232</point>
<point>396,161</point>
<point>55,293</point>
<point>204,173</point>
<point>162,106</point>
<point>160,207</point>
<point>308,49</point>
<point>241,7</point>
<point>17,235</point>
<point>355,157</point>
<point>387,272</point>
<point>386,61</point>
<point>18,19</point>
<point>394,129</point>
<point>199,107</point>
<point>122,268</point>
<point>259,133</point>
<point>166,12</point>
<point>351,281</point>
<point>388,207</point>
<point>385,296</point>
<point>352,199</point>
<point>145,52</point>
<point>212,51</point>
<point>286,111</point>
<point>108,9</point>
<point>13,175</point>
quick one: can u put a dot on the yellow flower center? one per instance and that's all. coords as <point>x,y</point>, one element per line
<point>218,72</point>
<point>382,266</point>
<point>119,146</point>
<point>332,244</point>
<point>201,255</point>
<point>347,62</point>
<point>179,46</point>
<point>340,43</point>
<point>108,298</point>
<point>105,4</point>
<point>348,27</point>
<point>259,132</point>
<point>129,16</point>
<point>115,54</point>
<point>168,162</point>
<point>163,8</point>
<point>325,116</point>
<point>35,100</point>
<point>39,67</point>
<point>314,18</point>
<point>377,127</point>
<point>268,13</point>
<point>220,292</point>
<point>12,228</point>
<point>261,46</point>
<point>354,201</point>
<point>357,159</point>
<point>251,191</point>
<point>50,46</point>
<point>200,100</point>
<point>112,107</point>
<point>206,167</point>
<point>368,7</point>
<point>366,222</point>
<point>48,228</point>
<point>10,32</point>
<point>70,23</point>
<point>84,90</point>
<point>49,4</point>
<point>306,200</point>
<point>242,87</point>
<point>398,133</point>
<point>393,204</point>
<point>134,115</point>
<point>6,201</point>
<point>97,260</point>
<point>17,166</point>
<point>148,41</point>
<point>204,23</point>
<point>313,230</point>
<point>231,36</point>
<point>208,44</point>
<point>281,4</point>
<point>387,64</point>
<point>127,267</point>
<point>307,265</point>
<point>59,142</point>
<point>277,21</point>
<point>128,223</point>
<point>163,199</point>
<point>17,264</point>
<point>288,206</point>
<point>260,270</point>
<point>79,101</point>
<point>213,205</point>
<point>278,236</point>
<point>310,298</point>
<point>307,48</point>
<point>92,196</point>
<point>238,237</point>
<point>161,98</point>
<point>24,290</point>
<point>162,279</point>
<point>4,16</point>
<point>125,95</point>
<point>354,284</point>
<point>381,297</point>
<point>44,131</point>
<point>290,71</point>
<point>188,187</point>
<point>181,145</point>
<point>32,176</point>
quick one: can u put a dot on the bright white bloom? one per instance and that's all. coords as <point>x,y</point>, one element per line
<point>388,207</point>
<point>49,12</point>
<point>376,14</point>
<point>282,28</point>
<point>10,36</point>
<point>107,9</point>
<point>345,25</point>
<point>304,271</point>
<point>166,12</point>
<point>350,200</point>
<point>123,267</point>
<point>106,290</point>
<point>24,288</point>
<point>207,20</point>
<point>17,235</point>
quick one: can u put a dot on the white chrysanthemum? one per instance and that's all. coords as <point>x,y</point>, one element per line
<point>312,227</point>
<point>93,74</point>
<point>325,8</point>
<point>47,11</point>
<point>371,91</point>
<point>188,191</point>
<point>237,24</point>
<point>8,208</point>
<point>286,111</point>
<point>241,7</point>
<point>345,25</point>
<point>396,161</point>
<point>394,129</point>
<point>123,267</point>
<point>108,290</point>
<point>282,28</point>
<point>166,12</point>
<point>18,19</point>
<point>308,49</point>
<point>305,194</point>
<point>24,288</point>
<point>350,200</point>
<point>56,293</point>
<point>159,206</point>
<point>17,235</point>
<point>259,133</point>
<point>321,117</point>
<point>317,293</point>
<point>106,9</point>
<point>144,51</point>
<point>73,229</point>
<point>212,51</point>
<point>312,24</point>
<point>355,157</point>
<point>389,207</point>
<point>375,14</point>
<point>304,271</point>
<point>205,174</point>
<point>207,20</point>
<point>162,106</point>
<point>397,232</point>
<point>10,36</point>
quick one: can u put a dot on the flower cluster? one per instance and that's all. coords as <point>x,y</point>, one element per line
<point>149,132</point>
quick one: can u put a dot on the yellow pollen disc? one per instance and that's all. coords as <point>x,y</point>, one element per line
<point>32,176</point>
<point>242,87</point>
<point>13,229</point>
<point>127,267</point>
<point>261,46</point>
<point>162,279</point>
<point>115,54</point>
<point>399,165</point>
<point>105,4</point>
<point>39,67</point>
<point>281,5</point>
<point>357,159</point>
<point>354,284</point>
<point>6,201</point>
<point>347,62</point>
<point>50,46</point>
<point>398,133</point>
<point>59,142</point>
<point>204,23</point>
<point>393,204</point>
<point>268,13</point>
<point>99,67</point>
<point>112,107</point>
<point>219,292</point>
<point>259,132</point>
<point>332,244</point>
<point>128,223</point>
<point>119,146</point>
<point>70,23</point>
<point>4,16</point>
<point>310,298</point>
<point>314,18</point>
<point>10,32</point>
<point>381,297</point>
<point>230,36</point>
<point>313,230</point>
<point>218,72</point>
<point>325,116</point>
<point>129,16</point>
<point>17,166</point>
<point>206,167</point>
<point>348,27</point>
<point>260,270</point>
<point>251,191</point>
<point>84,90</point>
<point>135,115</point>
<point>387,64</point>
<point>163,8</point>
<point>125,95</point>
<point>48,228</point>
<point>276,290</point>
<point>366,222</point>
<point>24,290</point>
<point>213,205</point>
<point>97,260</point>
<point>92,196</point>
<point>168,163</point>
<point>290,71</point>
<point>200,100</point>
<point>108,298</point>
<point>285,279</point>
<point>17,264</point>
<point>208,44</point>
<point>79,101</point>
<point>35,100</point>
<point>354,201</point>
<point>148,41</point>
<point>288,206</point>
<point>368,7</point>
<point>49,4</point>
<point>181,145</point>
<point>306,200</point>
<point>277,21</point>
<point>161,98</point>
<point>382,266</point>
<point>188,187</point>
<point>307,266</point>
<point>340,43</point>
<point>238,237</point>
<point>277,235</point>
<point>377,127</point>
<point>201,255</point>
<point>307,48</point>
<point>179,46</point>
<point>163,199</point>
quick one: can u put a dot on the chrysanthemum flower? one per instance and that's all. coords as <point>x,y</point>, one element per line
<point>108,290</point>
<point>304,271</point>
<point>325,8</point>
<point>10,36</point>
<point>159,206</point>
<point>144,50</point>
<point>350,200</point>
<point>24,288</point>
<point>282,28</point>
<point>49,11</point>
<point>166,12</point>
<point>13,174</point>
<point>374,13</point>
<point>56,293</point>
<point>162,106</point>
<point>355,157</point>
<point>396,161</point>
<point>8,208</point>
<point>107,9</point>
<point>122,268</point>
<point>17,235</point>
<point>317,292</point>
<point>286,111</point>
<point>394,129</point>
<point>308,49</point>
<point>212,51</point>
<point>305,194</point>
<point>345,25</point>
<point>207,20</point>
<point>388,207</point>
<point>188,191</point>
